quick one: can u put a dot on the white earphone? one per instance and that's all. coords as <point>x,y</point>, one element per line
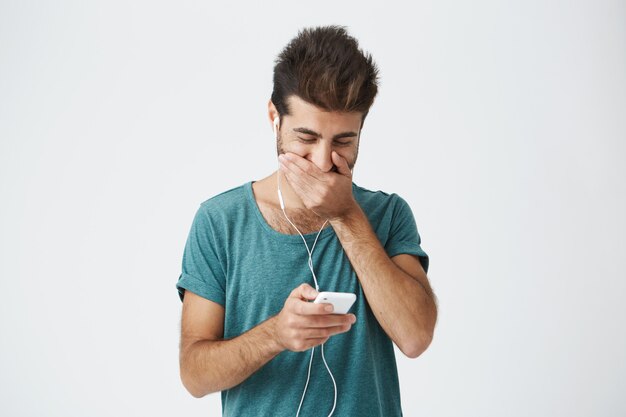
<point>280,195</point>
<point>276,123</point>
<point>310,252</point>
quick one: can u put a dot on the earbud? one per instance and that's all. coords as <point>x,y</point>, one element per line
<point>280,195</point>
<point>276,123</point>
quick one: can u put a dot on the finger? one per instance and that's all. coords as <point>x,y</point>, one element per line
<point>315,342</point>
<point>300,184</point>
<point>319,341</point>
<point>304,292</point>
<point>328,320</point>
<point>296,179</point>
<point>326,332</point>
<point>305,308</point>
<point>301,166</point>
<point>341,164</point>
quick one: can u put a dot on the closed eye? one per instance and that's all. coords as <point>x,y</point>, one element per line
<point>339,143</point>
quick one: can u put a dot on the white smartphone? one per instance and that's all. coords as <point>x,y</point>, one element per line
<point>341,301</point>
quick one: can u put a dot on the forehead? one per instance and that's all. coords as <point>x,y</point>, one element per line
<point>304,112</point>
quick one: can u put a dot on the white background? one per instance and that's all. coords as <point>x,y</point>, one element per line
<point>501,123</point>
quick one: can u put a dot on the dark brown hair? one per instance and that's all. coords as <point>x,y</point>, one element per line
<point>325,67</point>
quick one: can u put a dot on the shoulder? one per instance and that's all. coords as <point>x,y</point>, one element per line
<point>224,207</point>
<point>370,199</point>
<point>382,208</point>
<point>226,200</point>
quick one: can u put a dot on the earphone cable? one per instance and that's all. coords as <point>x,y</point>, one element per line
<point>310,264</point>
<point>310,252</point>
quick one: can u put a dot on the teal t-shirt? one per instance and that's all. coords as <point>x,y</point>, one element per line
<point>234,258</point>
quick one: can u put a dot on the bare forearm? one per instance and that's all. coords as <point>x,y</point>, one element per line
<point>215,365</point>
<point>404,308</point>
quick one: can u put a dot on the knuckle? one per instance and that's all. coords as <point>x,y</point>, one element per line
<point>290,321</point>
<point>301,308</point>
<point>291,334</point>
<point>286,309</point>
<point>294,339</point>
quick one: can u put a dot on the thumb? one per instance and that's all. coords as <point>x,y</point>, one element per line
<point>341,164</point>
<point>305,292</point>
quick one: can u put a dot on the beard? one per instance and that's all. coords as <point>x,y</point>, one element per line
<point>280,150</point>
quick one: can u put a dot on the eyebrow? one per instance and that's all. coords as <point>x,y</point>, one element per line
<point>307,131</point>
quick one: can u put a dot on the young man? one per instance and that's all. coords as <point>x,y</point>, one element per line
<point>248,325</point>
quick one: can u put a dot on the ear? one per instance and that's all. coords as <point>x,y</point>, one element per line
<point>272,113</point>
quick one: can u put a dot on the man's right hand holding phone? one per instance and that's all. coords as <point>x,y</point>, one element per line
<point>301,325</point>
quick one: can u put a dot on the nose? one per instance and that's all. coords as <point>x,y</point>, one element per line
<point>321,156</point>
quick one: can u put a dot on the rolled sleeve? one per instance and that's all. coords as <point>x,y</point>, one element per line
<point>404,236</point>
<point>202,270</point>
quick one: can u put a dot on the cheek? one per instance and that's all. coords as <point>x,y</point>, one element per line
<point>348,155</point>
<point>297,148</point>
<point>289,144</point>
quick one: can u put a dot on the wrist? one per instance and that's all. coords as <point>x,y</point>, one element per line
<point>271,332</point>
<point>352,212</point>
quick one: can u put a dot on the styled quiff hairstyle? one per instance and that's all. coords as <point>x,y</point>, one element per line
<point>325,67</point>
